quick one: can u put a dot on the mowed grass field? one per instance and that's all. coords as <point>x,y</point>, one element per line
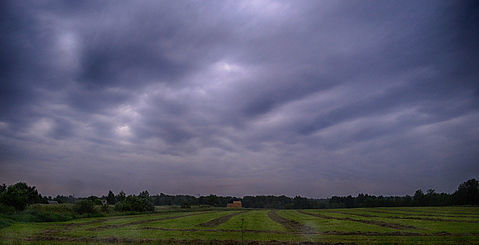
<point>405,225</point>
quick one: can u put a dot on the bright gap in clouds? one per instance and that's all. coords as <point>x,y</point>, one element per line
<point>309,98</point>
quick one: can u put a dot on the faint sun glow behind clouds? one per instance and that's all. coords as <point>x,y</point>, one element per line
<point>308,98</point>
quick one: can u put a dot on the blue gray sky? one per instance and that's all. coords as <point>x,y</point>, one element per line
<point>312,98</point>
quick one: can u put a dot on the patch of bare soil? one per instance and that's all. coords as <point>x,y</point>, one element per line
<point>371,222</point>
<point>141,222</point>
<point>220,220</point>
<point>290,225</point>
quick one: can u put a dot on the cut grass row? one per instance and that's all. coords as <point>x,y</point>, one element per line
<point>421,226</point>
<point>392,215</point>
<point>263,225</point>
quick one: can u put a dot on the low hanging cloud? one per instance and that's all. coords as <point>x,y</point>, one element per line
<point>309,98</point>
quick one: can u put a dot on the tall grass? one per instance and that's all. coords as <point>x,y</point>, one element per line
<point>46,213</point>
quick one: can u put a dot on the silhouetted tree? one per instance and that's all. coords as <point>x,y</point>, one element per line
<point>110,199</point>
<point>419,197</point>
<point>2,188</point>
<point>65,199</point>
<point>467,193</point>
<point>20,195</point>
<point>121,196</point>
<point>135,203</point>
<point>144,194</point>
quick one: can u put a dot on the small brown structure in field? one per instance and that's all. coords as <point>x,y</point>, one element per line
<point>234,204</point>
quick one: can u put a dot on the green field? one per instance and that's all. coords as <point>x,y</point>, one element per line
<point>425,225</point>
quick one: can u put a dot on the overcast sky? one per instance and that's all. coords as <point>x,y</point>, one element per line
<point>312,98</point>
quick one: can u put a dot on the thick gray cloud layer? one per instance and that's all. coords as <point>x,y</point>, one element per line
<point>239,97</point>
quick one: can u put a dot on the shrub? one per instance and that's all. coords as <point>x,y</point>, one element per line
<point>4,209</point>
<point>104,208</point>
<point>4,222</point>
<point>56,212</point>
<point>49,216</point>
<point>84,206</point>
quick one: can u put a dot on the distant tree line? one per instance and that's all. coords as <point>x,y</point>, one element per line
<point>19,195</point>
<point>177,200</point>
<point>466,194</point>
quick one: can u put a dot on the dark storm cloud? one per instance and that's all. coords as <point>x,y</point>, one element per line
<point>227,97</point>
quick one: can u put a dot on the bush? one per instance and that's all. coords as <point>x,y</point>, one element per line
<point>4,222</point>
<point>55,212</point>
<point>84,206</point>
<point>104,208</point>
<point>46,213</point>
<point>4,209</point>
<point>49,216</point>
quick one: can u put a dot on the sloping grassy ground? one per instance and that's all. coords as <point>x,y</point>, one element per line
<point>430,225</point>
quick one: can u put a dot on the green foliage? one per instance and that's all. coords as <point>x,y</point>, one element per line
<point>185,205</point>
<point>4,209</point>
<point>121,196</point>
<point>144,194</point>
<point>467,193</point>
<point>4,222</point>
<point>56,212</point>
<point>104,208</point>
<point>139,203</point>
<point>43,213</point>
<point>358,225</point>
<point>84,206</point>
<point>162,199</point>
<point>65,199</point>
<point>19,196</point>
<point>95,200</point>
<point>3,188</point>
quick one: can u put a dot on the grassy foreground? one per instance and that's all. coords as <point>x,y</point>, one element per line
<point>425,225</point>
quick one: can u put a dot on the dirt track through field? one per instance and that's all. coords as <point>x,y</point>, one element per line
<point>141,222</point>
<point>371,222</point>
<point>290,225</point>
<point>220,220</point>
<point>402,217</point>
